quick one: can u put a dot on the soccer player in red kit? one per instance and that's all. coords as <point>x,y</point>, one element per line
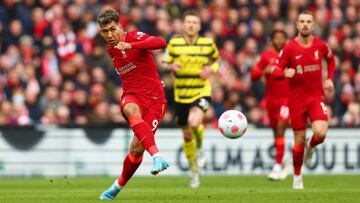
<point>143,101</point>
<point>276,101</point>
<point>301,61</point>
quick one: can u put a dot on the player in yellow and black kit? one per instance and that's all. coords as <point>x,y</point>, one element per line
<point>192,59</point>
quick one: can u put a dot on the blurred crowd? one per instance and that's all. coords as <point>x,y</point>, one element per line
<point>54,68</point>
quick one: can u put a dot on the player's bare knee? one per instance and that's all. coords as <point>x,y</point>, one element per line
<point>187,134</point>
<point>195,117</point>
<point>279,132</point>
<point>320,129</point>
<point>300,141</point>
<point>136,150</point>
<point>188,137</point>
<point>137,153</point>
<point>321,133</point>
<point>300,138</point>
<point>194,124</point>
<point>280,128</point>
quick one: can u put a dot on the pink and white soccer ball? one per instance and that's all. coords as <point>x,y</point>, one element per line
<point>232,124</point>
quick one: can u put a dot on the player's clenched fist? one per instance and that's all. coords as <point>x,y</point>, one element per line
<point>123,46</point>
<point>289,73</point>
<point>206,72</point>
<point>329,86</point>
<point>175,66</point>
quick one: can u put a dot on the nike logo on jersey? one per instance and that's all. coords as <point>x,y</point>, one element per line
<point>298,57</point>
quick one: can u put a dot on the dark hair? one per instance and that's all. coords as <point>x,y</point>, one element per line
<point>191,13</point>
<point>106,16</point>
<point>274,32</point>
<point>307,12</point>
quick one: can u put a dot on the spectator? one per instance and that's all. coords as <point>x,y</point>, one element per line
<point>100,115</point>
<point>79,108</point>
<point>63,115</point>
<point>13,35</point>
<point>50,100</point>
<point>32,105</point>
<point>51,53</point>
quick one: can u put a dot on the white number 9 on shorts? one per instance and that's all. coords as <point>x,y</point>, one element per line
<point>155,124</point>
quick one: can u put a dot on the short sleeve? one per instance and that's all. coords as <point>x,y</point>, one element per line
<point>263,61</point>
<point>327,50</point>
<point>214,54</point>
<point>169,53</point>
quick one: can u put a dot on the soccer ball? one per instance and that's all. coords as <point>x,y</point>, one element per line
<point>232,124</point>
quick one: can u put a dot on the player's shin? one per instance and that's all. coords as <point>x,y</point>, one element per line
<point>279,148</point>
<point>316,140</point>
<point>144,134</point>
<point>131,164</point>
<point>298,157</point>
<point>189,148</point>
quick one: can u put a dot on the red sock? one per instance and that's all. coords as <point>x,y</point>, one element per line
<point>279,148</point>
<point>145,136</point>
<point>131,164</point>
<point>298,156</point>
<point>315,140</point>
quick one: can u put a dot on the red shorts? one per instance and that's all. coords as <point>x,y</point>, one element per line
<point>314,110</point>
<point>151,112</point>
<point>277,111</point>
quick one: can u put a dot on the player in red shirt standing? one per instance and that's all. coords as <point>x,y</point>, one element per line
<point>143,101</point>
<point>276,100</point>
<point>301,61</point>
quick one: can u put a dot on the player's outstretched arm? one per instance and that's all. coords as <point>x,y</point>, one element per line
<point>150,43</point>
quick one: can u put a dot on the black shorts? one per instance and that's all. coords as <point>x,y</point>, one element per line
<point>182,110</point>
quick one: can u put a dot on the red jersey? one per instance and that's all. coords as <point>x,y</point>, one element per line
<point>273,85</point>
<point>136,66</point>
<point>307,84</point>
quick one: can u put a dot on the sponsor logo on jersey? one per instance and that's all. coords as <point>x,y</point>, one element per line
<point>125,68</point>
<point>311,68</point>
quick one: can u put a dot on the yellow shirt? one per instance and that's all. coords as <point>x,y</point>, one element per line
<point>188,85</point>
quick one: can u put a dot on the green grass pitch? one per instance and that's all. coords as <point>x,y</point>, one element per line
<point>175,189</point>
